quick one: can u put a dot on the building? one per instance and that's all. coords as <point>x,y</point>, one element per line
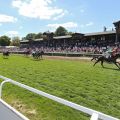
<point>99,39</point>
<point>117,27</point>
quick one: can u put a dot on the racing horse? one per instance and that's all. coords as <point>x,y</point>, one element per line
<point>112,59</point>
<point>37,54</point>
<point>6,54</point>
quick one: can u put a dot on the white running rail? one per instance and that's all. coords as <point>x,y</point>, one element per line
<point>95,115</point>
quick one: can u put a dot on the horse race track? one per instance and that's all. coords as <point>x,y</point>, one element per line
<point>76,81</point>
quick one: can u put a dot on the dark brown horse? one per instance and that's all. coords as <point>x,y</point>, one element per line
<point>37,54</point>
<point>6,54</point>
<point>112,59</point>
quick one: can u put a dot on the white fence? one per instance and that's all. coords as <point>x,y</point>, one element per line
<point>95,115</point>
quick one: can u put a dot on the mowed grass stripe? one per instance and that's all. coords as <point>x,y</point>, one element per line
<point>76,81</point>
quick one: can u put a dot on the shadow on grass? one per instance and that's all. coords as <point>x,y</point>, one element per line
<point>117,69</point>
<point>26,56</point>
<point>6,58</point>
<point>37,59</point>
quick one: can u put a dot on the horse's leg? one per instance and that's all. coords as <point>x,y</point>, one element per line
<point>96,62</point>
<point>36,56</point>
<point>92,59</point>
<point>102,63</point>
<point>40,56</point>
<point>116,63</point>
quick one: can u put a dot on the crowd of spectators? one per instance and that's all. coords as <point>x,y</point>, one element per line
<point>73,49</point>
<point>61,49</point>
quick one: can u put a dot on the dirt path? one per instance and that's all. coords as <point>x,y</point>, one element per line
<point>68,58</point>
<point>71,58</point>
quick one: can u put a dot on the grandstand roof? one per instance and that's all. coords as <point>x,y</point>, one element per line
<point>40,39</point>
<point>60,37</point>
<point>70,36</point>
<point>22,41</point>
<point>116,22</point>
<point>100,33</point>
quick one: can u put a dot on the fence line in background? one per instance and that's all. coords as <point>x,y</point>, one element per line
<point>95,115</point>
<point>61,53</point>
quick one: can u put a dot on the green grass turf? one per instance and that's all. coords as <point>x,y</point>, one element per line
<point>76,81</point>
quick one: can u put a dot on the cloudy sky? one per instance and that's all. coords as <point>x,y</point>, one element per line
<point>20,17</point>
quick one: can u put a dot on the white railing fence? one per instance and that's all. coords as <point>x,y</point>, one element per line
<point>95,115</point>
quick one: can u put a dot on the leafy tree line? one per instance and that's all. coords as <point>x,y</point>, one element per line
<point>6,41</point>
<point>60,31</point>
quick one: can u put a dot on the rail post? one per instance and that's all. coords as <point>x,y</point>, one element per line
<point>1,85</point>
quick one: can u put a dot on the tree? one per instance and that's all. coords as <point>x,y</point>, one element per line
<point>15,41</point>
<point>30,36</point>
<point>60,31</point>
<point>69,33</point>
<point>39,35</point>
<point>48,35</point>
<point>4,40</point>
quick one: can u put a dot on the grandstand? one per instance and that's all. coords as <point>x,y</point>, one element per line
<point>82,40</point>
<point>77,42</point>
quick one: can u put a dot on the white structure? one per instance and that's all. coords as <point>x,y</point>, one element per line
<point>9,113</point>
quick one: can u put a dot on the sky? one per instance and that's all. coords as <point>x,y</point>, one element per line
<point>20,17</point>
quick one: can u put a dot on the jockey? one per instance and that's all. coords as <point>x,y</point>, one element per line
<point>33,51</point>
<point>108,53</point>
<point>114,51</point>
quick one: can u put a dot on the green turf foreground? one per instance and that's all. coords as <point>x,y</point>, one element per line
<point>76,81</point>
